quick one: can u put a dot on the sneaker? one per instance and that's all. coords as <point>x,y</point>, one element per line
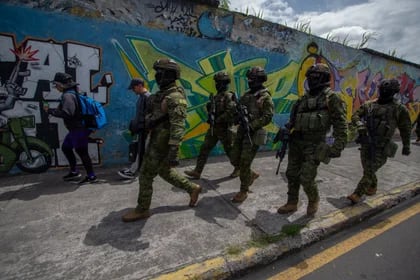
<point>72,176</point>
<point>126,174</point>
<point>89,180</point>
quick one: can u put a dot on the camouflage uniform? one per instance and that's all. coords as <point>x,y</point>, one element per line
<point>377,122</point>
<point>311,118</point>
<point>165,119</point>
<point>222,130</point>
<point>260,107</point>
<point>172,102</point>
<point>221,110</point>
<point>418,128</point>
<point>310,129</point>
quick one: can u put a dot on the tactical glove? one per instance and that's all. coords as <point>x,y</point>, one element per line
<point>322,153</point>
<point>361,128</point>
<point>406,151</point>
<point>173,156</point>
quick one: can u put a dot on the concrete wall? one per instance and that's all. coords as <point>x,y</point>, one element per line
<point>103,44</point>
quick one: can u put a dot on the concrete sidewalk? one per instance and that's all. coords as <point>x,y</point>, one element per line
<point>52,229</point>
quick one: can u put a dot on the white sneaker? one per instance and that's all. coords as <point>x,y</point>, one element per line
<point>127,174</point>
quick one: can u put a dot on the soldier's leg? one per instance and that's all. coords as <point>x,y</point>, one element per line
<point>293,170</point>
<point>380,160</point>
<point>209,142</point>
<point>369,180</point>
<point>174,178</point>
<point>307,178</point>
<point>226,138</point>
<point>247,156</point>
<point>148,172</point>
<point>294,166</point>
<point>235,156</point>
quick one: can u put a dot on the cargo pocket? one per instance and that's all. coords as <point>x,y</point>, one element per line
<point>260,137</point>
<point>390,149</point>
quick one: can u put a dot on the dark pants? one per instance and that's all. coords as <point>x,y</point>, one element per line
<point>78,140</point>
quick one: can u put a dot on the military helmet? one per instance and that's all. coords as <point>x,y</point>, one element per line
<point>318,76</point>
<point>167,64</point>
<point>221,77</point>
<point>320,68</point>
<point>257,73</point>
<point>389,87</point>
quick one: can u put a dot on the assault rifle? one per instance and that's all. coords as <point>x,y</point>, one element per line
<point>243,118</point>
<point>283,136</point>
<point>212,113</point>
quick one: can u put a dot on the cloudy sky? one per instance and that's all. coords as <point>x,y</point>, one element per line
<point>394,24</point>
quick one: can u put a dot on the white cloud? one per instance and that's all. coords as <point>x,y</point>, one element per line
<point>394,23</point>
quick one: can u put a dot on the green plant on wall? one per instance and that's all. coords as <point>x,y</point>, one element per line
<point>224,4</point>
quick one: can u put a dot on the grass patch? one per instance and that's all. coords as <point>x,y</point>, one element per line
<point>234,250</point>
<point>292,230</point>
<point>265,240</point>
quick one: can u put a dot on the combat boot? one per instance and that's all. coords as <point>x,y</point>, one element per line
<point>194,195</point>
<point>193,174</point>
<point>312,208</point>
<point>289,207</point>
<point>235,172</point>
<point>135,215</point>
<point>354,198</point>
<point>370,191</point>
<point>240,197</point>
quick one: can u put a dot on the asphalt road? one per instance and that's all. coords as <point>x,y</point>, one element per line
<point>384,247</point>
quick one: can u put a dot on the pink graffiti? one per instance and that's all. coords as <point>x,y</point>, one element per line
<point>366,88</point>
<point>408,92</point>
<point>25,54</point>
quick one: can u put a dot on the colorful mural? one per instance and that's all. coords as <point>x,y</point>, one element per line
<point>203,41</point>
<point>29,137</point>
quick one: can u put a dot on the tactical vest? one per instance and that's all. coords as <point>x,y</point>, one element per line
<point>383,122</point>
<point>157,112</point>
<point>254,103</point>
<point>312,116</point>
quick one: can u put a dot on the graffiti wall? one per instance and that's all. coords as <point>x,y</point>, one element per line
<point>103,55</point>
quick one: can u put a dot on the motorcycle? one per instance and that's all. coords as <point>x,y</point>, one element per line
<point>29,153</point>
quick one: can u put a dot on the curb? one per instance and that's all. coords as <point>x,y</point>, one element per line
<point>226,266</point>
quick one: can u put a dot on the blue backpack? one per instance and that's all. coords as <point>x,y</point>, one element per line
<point>93,114</point>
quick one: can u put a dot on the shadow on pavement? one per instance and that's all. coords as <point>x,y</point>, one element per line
<point>34,190</point>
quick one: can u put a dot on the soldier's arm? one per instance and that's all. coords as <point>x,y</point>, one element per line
<point>177,112</point>
<point>357,116</point>
<point>267,114</point>
<point>404,125</point>
<point>339,123</point>
<point>229,110</point>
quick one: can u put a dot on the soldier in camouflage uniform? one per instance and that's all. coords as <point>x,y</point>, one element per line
<point>255,110</point>
<point>221,111</point>
<point>376,123</point>
<point>165,120</point>
<point>311,118</point>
